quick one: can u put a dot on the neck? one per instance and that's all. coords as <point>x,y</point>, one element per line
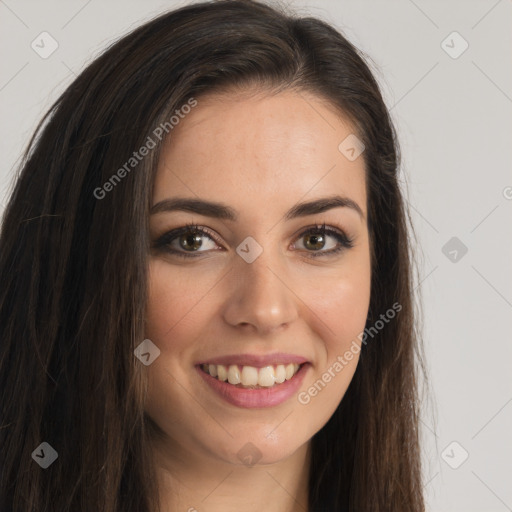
<point>191,481</point>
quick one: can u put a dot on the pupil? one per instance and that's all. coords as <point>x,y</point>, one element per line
<point>315,242</point>
<point>191,241</point>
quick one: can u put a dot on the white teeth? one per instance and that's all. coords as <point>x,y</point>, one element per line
<point>251,376</point>
<point>266,377</point>
<point>222,372</point>
<point>234,374</point>
<point>289,371</point>
<point>280,374</point>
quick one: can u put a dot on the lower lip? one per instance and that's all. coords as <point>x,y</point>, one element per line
<point>256,398</point>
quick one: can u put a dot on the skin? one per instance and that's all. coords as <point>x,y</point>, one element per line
<point>260,154</point>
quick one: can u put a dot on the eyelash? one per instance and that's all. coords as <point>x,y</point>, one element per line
<point>344,242</point>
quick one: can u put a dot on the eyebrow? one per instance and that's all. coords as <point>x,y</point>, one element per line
<point>222,211</point>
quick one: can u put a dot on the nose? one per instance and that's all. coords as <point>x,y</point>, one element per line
<point>260,297</point>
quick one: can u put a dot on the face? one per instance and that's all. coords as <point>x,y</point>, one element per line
<point>257,289</point>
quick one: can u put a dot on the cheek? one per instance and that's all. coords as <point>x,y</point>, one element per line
<point>345,308</point>
<point>338,312</point>
<point>340,303</point>
<point>173,300</point>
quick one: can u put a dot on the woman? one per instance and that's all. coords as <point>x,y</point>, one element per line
<point>206,295</point>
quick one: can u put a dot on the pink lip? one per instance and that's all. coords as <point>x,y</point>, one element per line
<point>255,360</point>
<point>256,398</point>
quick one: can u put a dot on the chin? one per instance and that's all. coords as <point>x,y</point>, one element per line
<point>259,447</point>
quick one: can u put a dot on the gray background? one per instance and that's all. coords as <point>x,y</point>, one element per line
<point>454,121</point>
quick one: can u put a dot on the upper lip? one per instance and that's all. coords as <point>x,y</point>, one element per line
<point>258,361</point>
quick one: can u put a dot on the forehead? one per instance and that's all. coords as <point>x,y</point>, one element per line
<point>260,150</point>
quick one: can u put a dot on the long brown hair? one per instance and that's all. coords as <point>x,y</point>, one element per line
<point>73,268</point>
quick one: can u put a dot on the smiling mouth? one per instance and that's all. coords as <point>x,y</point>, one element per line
<point>250,377</point>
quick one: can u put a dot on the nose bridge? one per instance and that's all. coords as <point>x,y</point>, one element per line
<point>260,294</point>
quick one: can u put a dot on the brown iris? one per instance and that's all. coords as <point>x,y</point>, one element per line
<point>313,241</point>
<point>190,241</point>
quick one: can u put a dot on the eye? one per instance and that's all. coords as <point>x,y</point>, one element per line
<point>186,241</point>
<point>317,238</point>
